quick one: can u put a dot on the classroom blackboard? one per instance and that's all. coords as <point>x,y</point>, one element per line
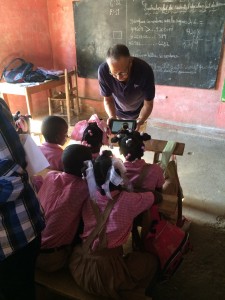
<point>180,39</point>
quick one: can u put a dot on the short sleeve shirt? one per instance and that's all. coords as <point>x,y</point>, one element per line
<point>120,220</point>
<point>62,197</point>
<point>129,97</point>
<point>53,154</point>
<point>154,177</point>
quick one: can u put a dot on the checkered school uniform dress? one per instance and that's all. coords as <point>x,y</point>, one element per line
<point>53,154</point>
<point>119,224</point>
<point>62,197</point>
<point>154,178</point>
<point>102,269</point>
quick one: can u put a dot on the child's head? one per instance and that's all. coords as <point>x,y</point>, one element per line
<point>131,144</point>
<point>54,130</point>
<point>92,137</point>
<point>105,174</point>
<point>92,133</point>
<point>73,158</point>
<point>101,167</point>
<point>109,173</point>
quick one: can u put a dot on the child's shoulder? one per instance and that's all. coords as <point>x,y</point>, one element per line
<point>53,174</point>
<point>139,163</point>
<point>155,169</point>
<point>50,145</point>
<point>156,166</point>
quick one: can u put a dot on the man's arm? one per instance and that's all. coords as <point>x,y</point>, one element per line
<point>144,113</point>
<point>110,108</point>
<point>106,92</point>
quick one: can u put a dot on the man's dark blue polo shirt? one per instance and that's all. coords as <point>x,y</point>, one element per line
<point>129,97</point>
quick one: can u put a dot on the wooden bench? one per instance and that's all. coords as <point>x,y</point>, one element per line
<point>157,147</point>
<point>62,283</point>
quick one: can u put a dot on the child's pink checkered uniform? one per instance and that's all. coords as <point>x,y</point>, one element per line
<point>153,179</point>
<point>53,154</point>
<point>62,197</point>
<point>119,224</point>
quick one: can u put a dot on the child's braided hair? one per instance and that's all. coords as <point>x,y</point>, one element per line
<point>92,137</point>
<point>131,143</point>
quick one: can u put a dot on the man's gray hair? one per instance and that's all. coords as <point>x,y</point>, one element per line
<point>117,51</point>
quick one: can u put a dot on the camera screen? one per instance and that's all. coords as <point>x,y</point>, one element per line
<point>117,125</point>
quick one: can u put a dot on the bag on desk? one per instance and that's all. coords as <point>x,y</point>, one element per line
<point>19,73</point>
<point>35,76</point>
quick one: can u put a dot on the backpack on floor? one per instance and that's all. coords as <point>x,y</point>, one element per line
<point>168,242</point>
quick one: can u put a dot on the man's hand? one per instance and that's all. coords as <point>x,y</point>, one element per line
<point>109,120</point>
<point>144,113</point>
<point>109,108</point>
<point>139,123</point>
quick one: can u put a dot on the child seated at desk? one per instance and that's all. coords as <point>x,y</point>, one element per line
<point>92,133</point>
<point>131,146</point>
<point>142,176</point>
<point>62,197</point>
<point>54,130</point>
<point>98,265</point>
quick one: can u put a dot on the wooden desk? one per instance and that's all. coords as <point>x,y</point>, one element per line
<point>27,91</point>
<point>157,147</point>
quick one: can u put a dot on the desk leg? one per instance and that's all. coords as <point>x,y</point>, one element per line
<point>50,109</point>
<point>29,104</point>
<point>50,93</point>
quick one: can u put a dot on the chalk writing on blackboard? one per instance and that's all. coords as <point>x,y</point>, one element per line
<point>180,39</point>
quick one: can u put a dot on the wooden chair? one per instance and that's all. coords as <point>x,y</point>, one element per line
<point>66,101</point>
<point>61,283</point>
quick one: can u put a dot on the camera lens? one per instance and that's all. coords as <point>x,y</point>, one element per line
<point>125,125</point>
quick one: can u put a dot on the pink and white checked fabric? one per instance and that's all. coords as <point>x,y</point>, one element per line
<point>62,197</point>
<point>119,224</point>
<point>53,154</point>
<point>154,178</point>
